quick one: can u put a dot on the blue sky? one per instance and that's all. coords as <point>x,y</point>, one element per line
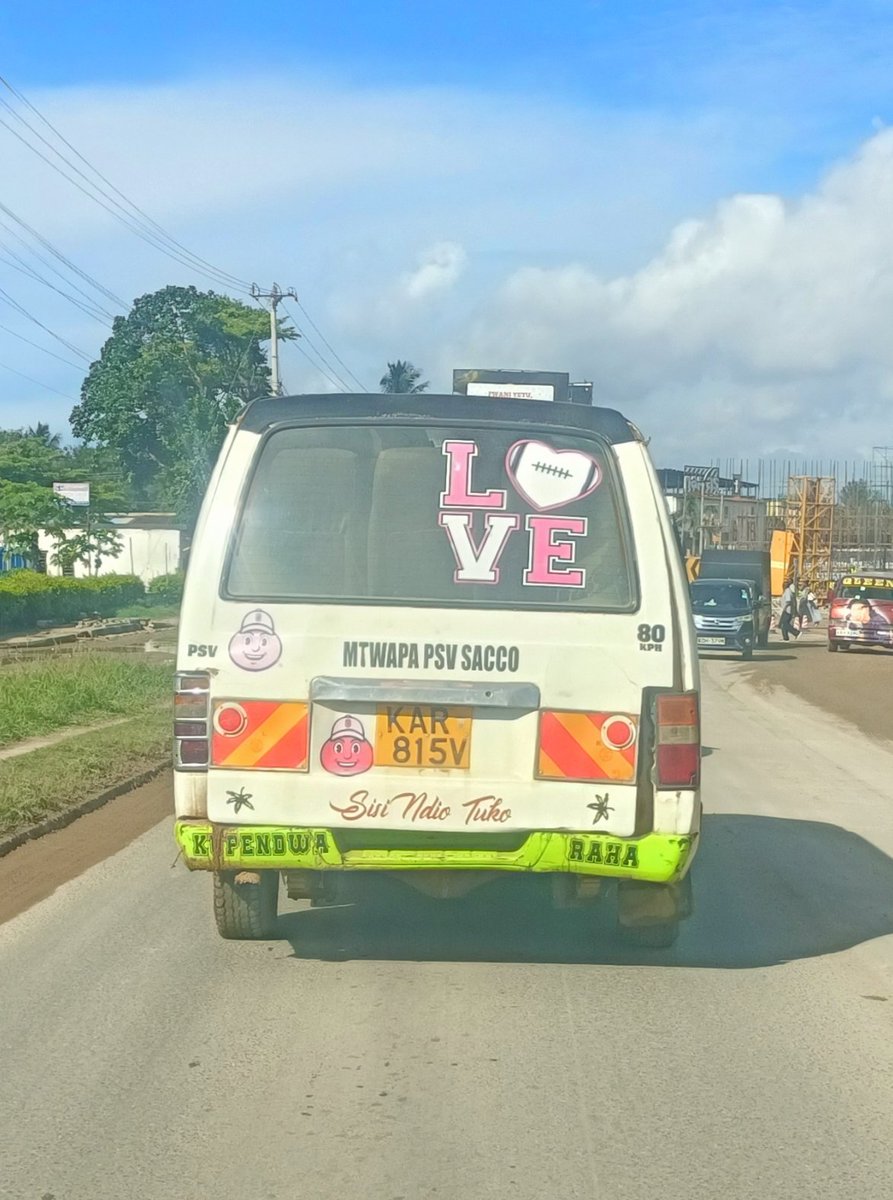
<point>444,180</point>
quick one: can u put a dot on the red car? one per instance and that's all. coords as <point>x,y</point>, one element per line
<point>861,611</point>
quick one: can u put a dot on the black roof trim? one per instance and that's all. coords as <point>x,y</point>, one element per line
<point>265,413</point>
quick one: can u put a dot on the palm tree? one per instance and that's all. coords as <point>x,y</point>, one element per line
<point>402,377</point>
<point>41,433</point>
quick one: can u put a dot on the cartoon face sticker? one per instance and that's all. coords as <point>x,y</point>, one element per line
<point>346,752</point>
<point>257,646</point>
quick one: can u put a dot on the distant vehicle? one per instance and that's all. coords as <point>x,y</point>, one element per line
<point>861,611</point>
<point>752,566</point>
<point>441,637</point>
<point>724,611</point>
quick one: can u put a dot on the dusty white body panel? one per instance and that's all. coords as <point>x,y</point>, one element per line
<point>579,661</point>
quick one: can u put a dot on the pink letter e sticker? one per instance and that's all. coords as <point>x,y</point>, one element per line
<point>547,548</point>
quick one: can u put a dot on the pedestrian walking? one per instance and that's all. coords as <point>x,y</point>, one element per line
<point>815,615</point>
<point>804,611</point>
<point>788,609</point>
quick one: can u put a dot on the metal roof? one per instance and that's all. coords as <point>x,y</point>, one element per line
<point>343,408</point>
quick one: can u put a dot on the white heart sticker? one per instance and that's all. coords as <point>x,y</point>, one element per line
<point>548,478</point>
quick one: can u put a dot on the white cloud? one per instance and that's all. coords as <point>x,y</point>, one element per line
<point>439,267</point>
<point>336,190</point>
<point>766,323</point>
<point>459,229</point>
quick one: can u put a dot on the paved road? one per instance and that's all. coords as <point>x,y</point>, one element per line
<point>488,1050</point>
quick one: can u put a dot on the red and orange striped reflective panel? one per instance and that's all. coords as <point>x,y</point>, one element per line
<point>587,746</point>
<point>267,735</point>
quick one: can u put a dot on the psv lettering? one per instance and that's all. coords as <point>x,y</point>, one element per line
<point>440,656</point>
<point>201,650</point>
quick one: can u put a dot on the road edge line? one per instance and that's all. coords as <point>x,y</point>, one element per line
<point>70,815</point>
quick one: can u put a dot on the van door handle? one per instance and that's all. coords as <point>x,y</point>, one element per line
<point>411,691</point>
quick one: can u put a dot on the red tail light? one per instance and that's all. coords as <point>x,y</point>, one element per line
<point>678,730</point>
<point>191,703</point>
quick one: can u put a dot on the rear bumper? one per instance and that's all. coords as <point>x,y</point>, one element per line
<point>654,858</point>
<point>845,637</point>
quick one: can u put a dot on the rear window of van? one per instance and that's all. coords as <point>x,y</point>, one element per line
<point>490,517</point>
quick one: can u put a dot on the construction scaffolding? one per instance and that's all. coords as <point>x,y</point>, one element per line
<point>809,517</point>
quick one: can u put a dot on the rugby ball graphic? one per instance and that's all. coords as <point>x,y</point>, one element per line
<point>548,478</point>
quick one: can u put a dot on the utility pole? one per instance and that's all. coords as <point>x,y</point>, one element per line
<point>274,295</point>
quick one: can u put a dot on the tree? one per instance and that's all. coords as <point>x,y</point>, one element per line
<point>41,432</point>
<point>402,377</point>
<point>28,459</point>
<point>31,461</point>
<point>87,545</point>
<point>26,509</point>
<point>858,493</point>
<point>174,373</point>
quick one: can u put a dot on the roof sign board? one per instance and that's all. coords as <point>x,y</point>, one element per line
<point>513,391</point>
<point>513,385</point>
<point>73,493</point>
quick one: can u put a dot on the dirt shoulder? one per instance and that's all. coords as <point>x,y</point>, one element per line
<point>856,686</point>
<point>34,871</point>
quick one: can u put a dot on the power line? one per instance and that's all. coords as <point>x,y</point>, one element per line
<point>30,379</point>
<point>121,216</point>
<point>141,224</point>
<point>324,365</point>
<point>138,225</point>
<point>42,349</point>
<point>92,310</point>
<point>318,360</point>
<point>61,257</point>
<point>234,279</point>
<point>325,342</point>
<point>30,316</point>
<point>256,294</point>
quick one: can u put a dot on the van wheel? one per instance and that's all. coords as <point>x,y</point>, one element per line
<point>747,652</point>
<point>651,937</point>
<point>246,904</point>
<point>833,647</point>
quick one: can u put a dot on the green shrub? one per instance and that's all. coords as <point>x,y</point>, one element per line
<point>27,597</point>
<point>166,589</point>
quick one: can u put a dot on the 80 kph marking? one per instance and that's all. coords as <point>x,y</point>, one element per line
<point>652,637</point>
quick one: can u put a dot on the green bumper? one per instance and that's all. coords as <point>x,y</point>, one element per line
<point>655,858</point>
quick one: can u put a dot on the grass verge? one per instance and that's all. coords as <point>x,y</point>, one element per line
<point>46,694</point>
<point>45,782</point>
<point>149,612</point>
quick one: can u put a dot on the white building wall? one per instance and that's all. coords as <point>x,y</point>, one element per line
<point>145,552</point>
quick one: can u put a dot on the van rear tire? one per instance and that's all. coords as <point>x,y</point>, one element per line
<point>246,904</point>
<point>649,914</point>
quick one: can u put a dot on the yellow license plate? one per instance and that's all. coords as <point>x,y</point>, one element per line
<point>423,735</point>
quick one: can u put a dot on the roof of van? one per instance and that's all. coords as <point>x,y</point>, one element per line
<point>722,579</point>
<point>261,415</point>
<point>865,573</point>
